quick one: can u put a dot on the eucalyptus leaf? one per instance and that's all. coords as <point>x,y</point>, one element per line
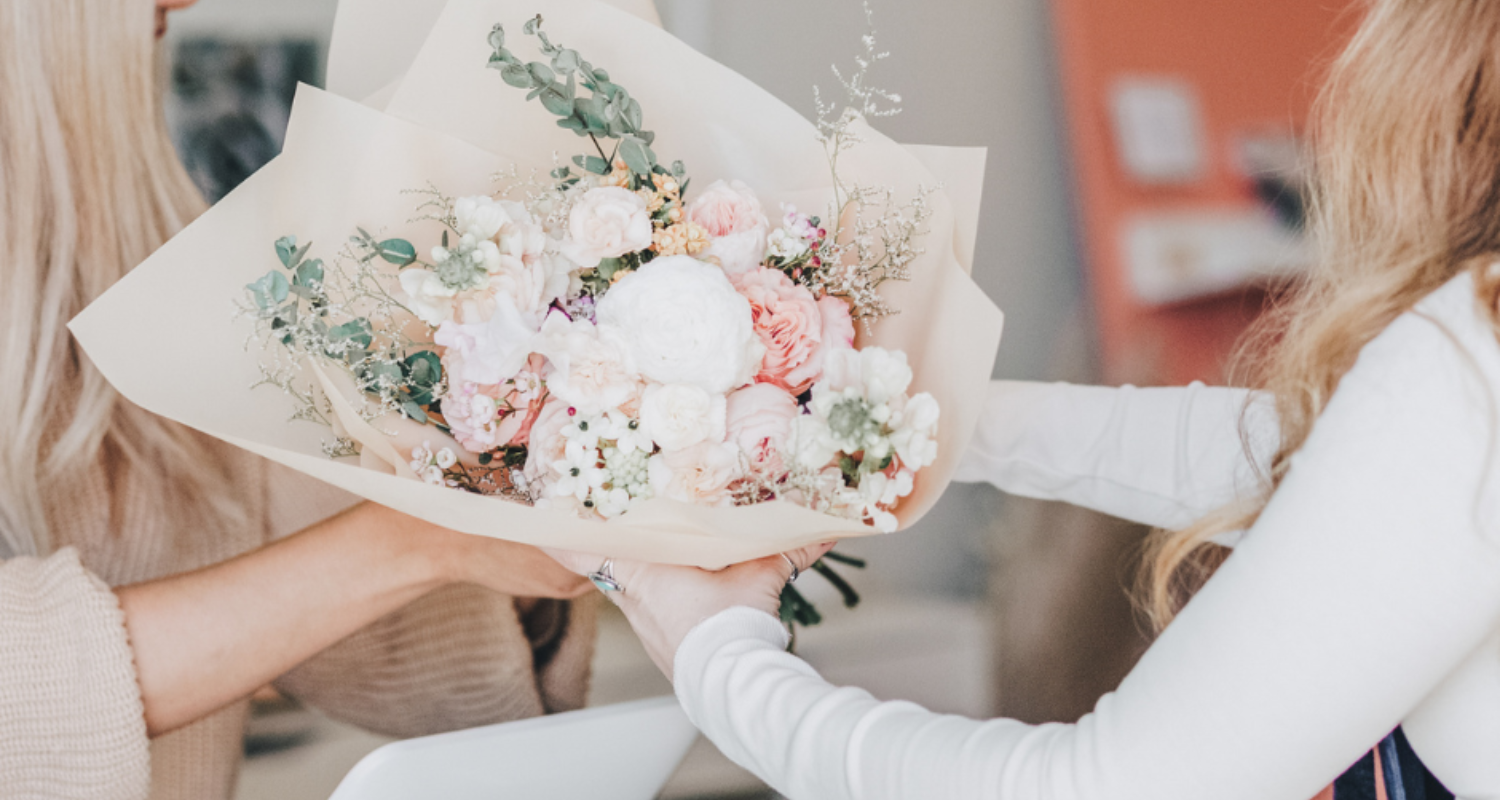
<point>270,291</point>
<point>593,164</point>
<point>423,368</point>
<point>286,246</point>
<point>517,75</point>
<point>601,76</point>
<point>387,374</point>
<point>633,116</point>
<point>308,273</point>
<point>414,411</point>
<point>540,73</point>
<point>397,251</point>
<point>497,37</point>
<point>636,154</point>
<point>356,332</point>
<point>566,61</point>
<point>532,25</point>
<point>555,100</point>
<point>573,124</point>
<point>561,173</point>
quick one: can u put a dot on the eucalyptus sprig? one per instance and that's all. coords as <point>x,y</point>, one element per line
<point>607,111</point>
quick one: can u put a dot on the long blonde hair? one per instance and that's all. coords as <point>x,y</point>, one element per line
<point>1406,196</point>
<point>89,186</point>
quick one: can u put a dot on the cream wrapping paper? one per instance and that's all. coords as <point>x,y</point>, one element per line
<point>167,336</point>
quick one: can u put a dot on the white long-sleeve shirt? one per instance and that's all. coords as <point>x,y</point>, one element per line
<point>1367,596</point>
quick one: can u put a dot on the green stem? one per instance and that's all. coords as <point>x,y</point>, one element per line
<point>851,597</point>
<point>857,563</point>
<point>608,162</point>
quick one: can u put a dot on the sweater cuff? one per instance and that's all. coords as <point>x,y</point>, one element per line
<point>708,638</point>
<point>71,715</point>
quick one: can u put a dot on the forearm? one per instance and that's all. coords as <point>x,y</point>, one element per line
<point>1162,457</point>
<point>203,639</point>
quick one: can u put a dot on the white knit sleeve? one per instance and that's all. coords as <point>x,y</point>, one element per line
<point>1162,457</point>
<point>71,720</point>
<point>1370,576</point>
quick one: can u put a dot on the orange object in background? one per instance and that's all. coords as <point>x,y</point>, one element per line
<point>1164,99</point>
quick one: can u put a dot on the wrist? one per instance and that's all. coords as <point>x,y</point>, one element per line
<point>421,559</point>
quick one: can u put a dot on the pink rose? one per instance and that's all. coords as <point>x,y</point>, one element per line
<point>698,476</point>
<point>838,334</point>
<point>760,423</point>
<point>788,322</point>
<point>607,222</point>
<point>484,418</point>
<point>733,217</point>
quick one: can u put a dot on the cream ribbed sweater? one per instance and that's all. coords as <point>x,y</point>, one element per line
<point>71,723</point>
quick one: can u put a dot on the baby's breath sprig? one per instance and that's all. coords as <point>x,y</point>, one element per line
<point>875,237</point>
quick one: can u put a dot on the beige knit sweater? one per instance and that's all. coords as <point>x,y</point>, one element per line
<point>71,722</point>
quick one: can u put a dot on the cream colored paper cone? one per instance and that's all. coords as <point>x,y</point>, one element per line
<point>167,337</point>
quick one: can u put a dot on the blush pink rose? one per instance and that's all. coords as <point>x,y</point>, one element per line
<point>546,444</point>
<point>788,322</point>
<point>736,224</point>
<point>486,418</point>
<point>699,475</point>
<point>838,334</point>
<point>760,423</point>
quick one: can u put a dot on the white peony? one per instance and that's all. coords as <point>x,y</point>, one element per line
<point>677,417</point>
<point>591,368</point>
<point>684,323</point>
<point>607,222</point>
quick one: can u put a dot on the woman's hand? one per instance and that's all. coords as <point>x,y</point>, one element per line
<point>664,603</point>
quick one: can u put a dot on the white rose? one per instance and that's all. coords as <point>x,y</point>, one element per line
<point>812,442</point>
<point>878,374</point>
<point>916,426</point>
<point>736,224</point>
<point>428,297</point>
<point>684,323</point>
<point>607,222</point>
<point>591,368</point>
<point>678,417</point>
<point>481,217</point>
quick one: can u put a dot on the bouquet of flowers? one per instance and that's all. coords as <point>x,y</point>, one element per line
<point>603,351</point>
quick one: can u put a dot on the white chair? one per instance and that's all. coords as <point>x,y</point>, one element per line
<point>620,752</point>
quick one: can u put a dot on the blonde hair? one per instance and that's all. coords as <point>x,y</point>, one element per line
<point>89,186</point>
<point>1406,196</point>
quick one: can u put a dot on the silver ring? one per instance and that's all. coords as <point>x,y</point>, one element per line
<point>796,573</point>
<point>604,578</point>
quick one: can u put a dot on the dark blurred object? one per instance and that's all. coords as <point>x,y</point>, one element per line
<point>230,103</point>
<point>276,723</point>
<point>1278,167</point>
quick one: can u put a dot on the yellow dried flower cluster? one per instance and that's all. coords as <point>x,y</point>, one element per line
<point>682,239</point>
